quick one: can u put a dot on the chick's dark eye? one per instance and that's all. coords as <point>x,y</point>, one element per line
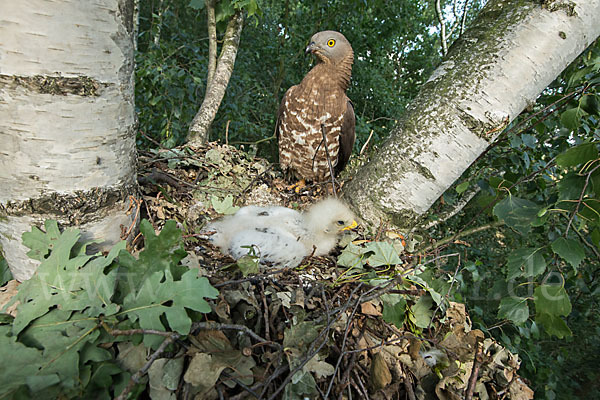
<point>331,43</point>
<point>340,222</point>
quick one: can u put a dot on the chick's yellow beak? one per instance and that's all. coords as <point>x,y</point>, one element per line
<point>353,225</point>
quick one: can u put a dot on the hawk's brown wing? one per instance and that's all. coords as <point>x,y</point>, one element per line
<point>347,137</point>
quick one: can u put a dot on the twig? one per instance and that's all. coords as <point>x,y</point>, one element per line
<point>588,244</point>
<point>227,132</point>
<point>462,234</point>
<point>477,360</point>
<point>364,146</point>
<point>252,279</point>
<point>313,349</point>
<point>468,196</point>
<point>266,310</point>
<point>587,181</point>
<point>408,386</point>
<point>449,290</point>
<point>138,203</point>
<point>346,331</point>
<point>135,378</point>
<point>130,332</point>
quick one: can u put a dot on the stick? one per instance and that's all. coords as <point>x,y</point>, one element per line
<point>477,360</point>
<point>135,378</point>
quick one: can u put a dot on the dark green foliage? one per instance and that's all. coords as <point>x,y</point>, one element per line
<point>52,346</point>
<point>538,273</point>
<point>395,51</point>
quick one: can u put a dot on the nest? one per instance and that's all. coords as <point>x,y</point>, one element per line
<point>313,332</point>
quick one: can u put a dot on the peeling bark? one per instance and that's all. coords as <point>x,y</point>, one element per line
<point>501,64</point>
<point>67,132</point>
<point>200,126</point>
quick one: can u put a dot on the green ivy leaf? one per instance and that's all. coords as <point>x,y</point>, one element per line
<point>517,213</point>
<point>554,325</point>
<point>383,254</point>
<point>570,250</point>
<point>352,256</point>
<point>552,300</point>
<point>224,206</point>
<point>394,309</point>
<point>525,262</point>
<point>514,309</point>
<point>248,264</point>
<point>577,155</point>
<point>422,311</point>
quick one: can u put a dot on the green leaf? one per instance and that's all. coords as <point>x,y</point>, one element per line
<point>248,264</point>
<point>596,237</point>
<point>577,155</point>
<point>161,252</point>
<point>62,335</point>
<point>589,103</point>
<point>352,256</point>
<point>41,242</point>
<point>529,140</point>
<point>394,309</point>
<point>224,206</point>
<point>554,325</point>
<point>571,119</point>
<point>462,187</point>
<point>526,262</point>
<point>517,213</point>
<point>514,309</point>
<point>570,187</point>
<point>18,362</point>
<point>570,250</point>
<point>422,311</point>
<point>161,295</point>
<point>72,283</point>
<point>383,254</point>
<point>551,299</point>
<point>197,4</point>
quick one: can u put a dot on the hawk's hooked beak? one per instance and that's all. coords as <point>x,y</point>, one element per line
<point>353,225</point>
<point>311,48</point>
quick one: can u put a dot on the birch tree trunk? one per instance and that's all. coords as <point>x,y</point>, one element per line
<point>514,50</point>
<point>67,121</point>
<point>215,89</point>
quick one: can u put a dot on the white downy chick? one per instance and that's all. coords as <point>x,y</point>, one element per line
<point>279,235</point>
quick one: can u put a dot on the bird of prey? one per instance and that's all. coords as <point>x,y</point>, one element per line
<point>316,118</point>
<point>280,236</point>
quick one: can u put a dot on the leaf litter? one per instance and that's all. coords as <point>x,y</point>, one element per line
<point>365,322</point>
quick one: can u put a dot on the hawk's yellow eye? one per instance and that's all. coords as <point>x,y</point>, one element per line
<point>331,43</point>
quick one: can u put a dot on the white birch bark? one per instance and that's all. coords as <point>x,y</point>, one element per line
<point>514,50</point>
<point>67,120</point>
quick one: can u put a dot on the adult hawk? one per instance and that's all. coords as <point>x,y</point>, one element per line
<point>318,104</point>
